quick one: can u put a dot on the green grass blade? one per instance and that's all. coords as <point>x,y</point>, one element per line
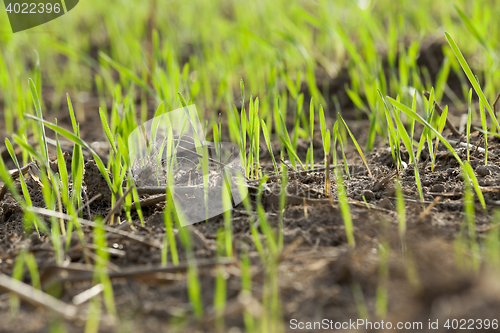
<point>291,151</point>
<point>470,172</point>
<point>360,151</point>
<point>473,29</point>
<point>107,130</point>
<point>128,73</point>
<point>38,108</point>
<point>265,131</point>
<point>344,209</point>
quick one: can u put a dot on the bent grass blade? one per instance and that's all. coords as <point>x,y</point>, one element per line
<point>360,151</point>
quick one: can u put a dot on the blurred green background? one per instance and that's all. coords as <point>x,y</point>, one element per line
<point>203,48</point>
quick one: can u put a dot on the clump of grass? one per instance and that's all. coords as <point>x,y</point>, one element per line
<point>465,166</point>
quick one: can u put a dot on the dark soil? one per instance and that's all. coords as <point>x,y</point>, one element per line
<point>427,279</point>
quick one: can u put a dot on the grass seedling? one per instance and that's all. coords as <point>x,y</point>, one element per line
<point>359,298</point>
<point>411,269</point>
<point>442,78</point>
<point>50,198</point>
<point>93,316</point>
<point>125,72</point>
<point>472,176</point>
<point>169,209</point>
<point>23,259</point>
<point>24,188</point>
<point>298,114</point>
<point>101,266</point>
<point>469,121</point>
<point>63,172</point>
<point>324,135</point>
<point>358,148</point>
<point>471,222</point>
<point>431,109</point>
<point>246,287</point>
<point>266,133</point>
<point>442,124</point>
<point>263,222</point>
<point>193,281</point>
<point>256,137</point>
<point>383,278</point>
<point>393,135</point>
<point>327,163</point>
<point>474,30</point>
<point>285,140</point>
<point>408,142</point>
<point>77,161</point>
<point>400,205</point>
<point>228,218</point>
<point>169,238</point>
<point>220,282</point>
<point>338,136</point>
<point>283,194</point>
<point>344,208</point>
<point>311,133</point>
<point>41,129</point>
<point>272,320</point>
<point>485,131</point>
<point>461,247</point>
<point>492,244</point>
<point>243,192</point>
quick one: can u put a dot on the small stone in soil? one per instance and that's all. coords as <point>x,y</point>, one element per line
<point>437,188</point>
<point>369,196</point>
<point>482,171</point>
<point>385,203</point>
